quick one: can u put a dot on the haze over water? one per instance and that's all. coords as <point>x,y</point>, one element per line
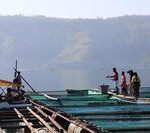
<point>54,53</point>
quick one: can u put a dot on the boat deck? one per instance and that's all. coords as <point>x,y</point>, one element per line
<point>39,118</point>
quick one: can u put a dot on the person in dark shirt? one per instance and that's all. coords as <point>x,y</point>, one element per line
<point>135,85</point>
<point>17,80</point>
<point>114,77</point>
<point>9,97</point>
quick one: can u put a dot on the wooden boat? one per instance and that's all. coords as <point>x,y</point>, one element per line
<point>113,117</point>
<point>128,99</point>
<point>36,117</point>
<point>83,92</point>
<point>14,103</point>
<point>41,119</point>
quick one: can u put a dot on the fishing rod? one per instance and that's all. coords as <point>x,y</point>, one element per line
<point>45,95</point>
<point>26,82</point>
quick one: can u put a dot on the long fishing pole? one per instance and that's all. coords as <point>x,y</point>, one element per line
<point>52,98</point>
<point>27,83</point>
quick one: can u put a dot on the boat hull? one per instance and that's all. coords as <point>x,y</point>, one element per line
<point>83,92</point>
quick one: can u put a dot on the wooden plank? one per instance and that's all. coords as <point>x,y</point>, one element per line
<point>75,121</point>
<point>52,120</point>
<point>41,120</point>
<point>33,130</point>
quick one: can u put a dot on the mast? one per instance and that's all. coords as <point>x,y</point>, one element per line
<point>15,74</point>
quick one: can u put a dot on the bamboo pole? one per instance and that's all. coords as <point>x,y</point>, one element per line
<point>33,130</point>
<point>51,119</point>
<point>41,120</point>
<point>75,122</point>
<point>78,123</point>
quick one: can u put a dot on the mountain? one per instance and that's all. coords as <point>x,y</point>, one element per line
<point>57,53</point>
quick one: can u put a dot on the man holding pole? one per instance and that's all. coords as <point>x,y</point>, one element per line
<point>114,77</point>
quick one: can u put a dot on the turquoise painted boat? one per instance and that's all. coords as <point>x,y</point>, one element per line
<point>103,111</point>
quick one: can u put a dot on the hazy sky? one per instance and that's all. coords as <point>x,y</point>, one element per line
<point>75,8</point>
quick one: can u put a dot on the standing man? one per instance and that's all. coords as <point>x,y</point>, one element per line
<point>123,84</point>
<point>114,77</point>
<point>135,85</point>
<point>17,80</point>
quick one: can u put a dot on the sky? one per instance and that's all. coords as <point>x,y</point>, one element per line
<point>75,8</point>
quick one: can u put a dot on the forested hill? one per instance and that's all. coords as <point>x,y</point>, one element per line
<point>66,53</point>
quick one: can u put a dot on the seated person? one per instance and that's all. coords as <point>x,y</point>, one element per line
<point>9,97</point>
<point>18,94</point>
<point>21,95</point>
